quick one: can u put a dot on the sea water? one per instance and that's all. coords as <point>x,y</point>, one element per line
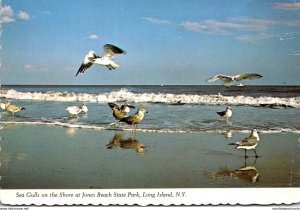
<point>171,108</point>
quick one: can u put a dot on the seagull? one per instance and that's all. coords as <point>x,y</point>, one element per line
<point>74,110</point>
<point>248,143</point>
<point>229,79</point>
<point>105,60</point>
<point>226,114</point>
<point>134,119</point>
<point>121,112</point>
<point>84,108</point>
<point>13,108</point>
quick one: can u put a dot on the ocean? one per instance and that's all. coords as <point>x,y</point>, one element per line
<point>171,108</point>
<point>186,144</point>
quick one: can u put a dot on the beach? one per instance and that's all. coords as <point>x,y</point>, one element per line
<point>56,157</point>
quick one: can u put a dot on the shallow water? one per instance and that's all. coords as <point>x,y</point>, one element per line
<point>51,157</point>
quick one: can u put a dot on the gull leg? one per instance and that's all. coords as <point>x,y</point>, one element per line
<point>255,154</point>
<point>246,154</point>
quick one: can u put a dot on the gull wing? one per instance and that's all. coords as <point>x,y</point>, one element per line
<point>113,105</point>
<point>127,105</point>
<point>222,77</point>
<point>240,77</point>
<point>226,79</point>
<point>110,50</point>
<point>87,62</point>
<point>250,141</point>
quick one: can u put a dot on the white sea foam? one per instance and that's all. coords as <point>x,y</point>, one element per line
<point>124,94</point>
<point>144,130</point>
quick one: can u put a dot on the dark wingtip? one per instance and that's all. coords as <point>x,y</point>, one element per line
<point>77,72</point>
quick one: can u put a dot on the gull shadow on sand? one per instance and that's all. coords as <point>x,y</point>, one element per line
<point>246,173</point>
<point>126,143</point>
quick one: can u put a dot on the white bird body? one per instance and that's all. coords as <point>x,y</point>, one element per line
<point>105,60</point>
<point>84,108</point>
<point>74,110</point>
<point>226,114</point>
<point>2,105</point>
<point>249,142</point>
<point>126,109</point>
<point>229,79</point>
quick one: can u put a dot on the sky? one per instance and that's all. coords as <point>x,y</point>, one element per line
<point>167,42</point>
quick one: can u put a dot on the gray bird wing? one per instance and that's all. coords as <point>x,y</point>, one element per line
<point>110,50</point>
<point>112,105</point>
<point>87,62</point>
<point>240,77</point>
<point>226,79</point>
<point>251,141</point>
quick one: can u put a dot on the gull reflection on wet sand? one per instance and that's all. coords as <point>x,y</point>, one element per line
<point>246,173</point>
<point>128,143</point>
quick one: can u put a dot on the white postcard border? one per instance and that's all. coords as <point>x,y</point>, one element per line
<point>144,197</point>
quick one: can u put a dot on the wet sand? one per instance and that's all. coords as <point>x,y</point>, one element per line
<point>49,157</point>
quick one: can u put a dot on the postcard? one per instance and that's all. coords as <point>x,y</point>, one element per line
<point>126,102</point>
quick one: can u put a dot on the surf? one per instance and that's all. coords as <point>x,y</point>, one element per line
<point>163,98</point>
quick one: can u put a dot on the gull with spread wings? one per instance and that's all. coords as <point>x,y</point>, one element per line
<point>105,60</point>
<point>229,79</point>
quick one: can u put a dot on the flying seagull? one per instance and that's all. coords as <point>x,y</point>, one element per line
<point>105,60</point>
<point>229,79</point>
<point>134,119</point>
<point>248,143</point>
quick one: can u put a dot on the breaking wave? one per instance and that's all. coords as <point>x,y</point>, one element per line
<point>131,97</point>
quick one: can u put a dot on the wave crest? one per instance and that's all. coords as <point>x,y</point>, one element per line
<point>125,95</point>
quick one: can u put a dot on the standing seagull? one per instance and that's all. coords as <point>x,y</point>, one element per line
<point>135,119</point>
<point>229,79</point>
<point>248,143</point>
<point>74,110</point>
<point>105,60</point>
<point>12,108</point>
<point>226,114</point>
